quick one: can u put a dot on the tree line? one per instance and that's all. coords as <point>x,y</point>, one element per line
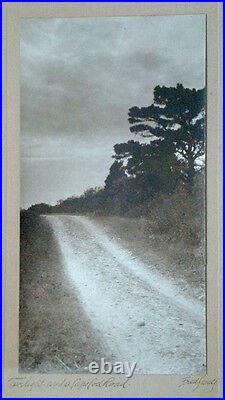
<point>168,155</point>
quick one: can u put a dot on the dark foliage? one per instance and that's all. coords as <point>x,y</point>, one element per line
<point>176,116</point>
<point>41,208</point>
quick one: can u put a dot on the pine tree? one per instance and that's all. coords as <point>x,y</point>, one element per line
<point>177,118</point>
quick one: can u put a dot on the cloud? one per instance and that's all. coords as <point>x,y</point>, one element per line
<point>79,77</point>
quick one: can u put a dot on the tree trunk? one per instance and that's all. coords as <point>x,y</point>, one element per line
<point>191,170</point>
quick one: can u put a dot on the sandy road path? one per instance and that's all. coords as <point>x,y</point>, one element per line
<point>140,315</point>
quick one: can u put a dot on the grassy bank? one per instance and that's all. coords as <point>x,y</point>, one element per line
<point>55,334</point>
<point>169,232</point>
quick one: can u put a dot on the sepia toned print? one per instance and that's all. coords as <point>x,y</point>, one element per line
<point>113,194</point>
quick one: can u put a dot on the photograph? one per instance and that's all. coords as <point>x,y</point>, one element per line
<point>113,210</point>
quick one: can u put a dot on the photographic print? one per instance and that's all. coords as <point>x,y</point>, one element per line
<point>113,195</point>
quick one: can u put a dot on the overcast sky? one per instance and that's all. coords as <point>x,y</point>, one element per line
<point>79,77</point>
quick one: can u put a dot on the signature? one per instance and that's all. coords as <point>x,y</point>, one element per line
<point>202,381</point>
<point>79,382</point>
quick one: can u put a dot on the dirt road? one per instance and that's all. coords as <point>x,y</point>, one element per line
<point>140,316</point>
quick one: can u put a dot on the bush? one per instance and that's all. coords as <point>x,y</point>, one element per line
<point>179,215</point>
